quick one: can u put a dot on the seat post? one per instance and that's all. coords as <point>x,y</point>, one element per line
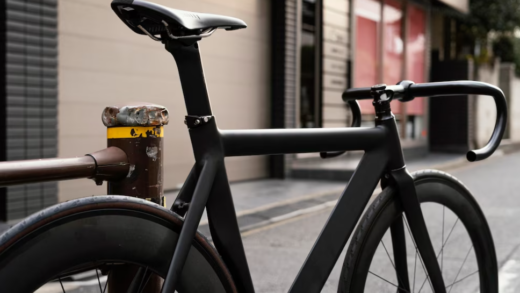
<point>191,73</point>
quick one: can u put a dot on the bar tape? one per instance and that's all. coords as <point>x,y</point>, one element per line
<point>135,132</point>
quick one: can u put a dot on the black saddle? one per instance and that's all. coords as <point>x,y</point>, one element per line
<point>147,18</point>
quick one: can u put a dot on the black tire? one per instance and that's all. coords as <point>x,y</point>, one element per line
<point>432,187</point>
<point>104,229</point>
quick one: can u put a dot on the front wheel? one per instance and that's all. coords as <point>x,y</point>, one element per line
<point>458,230</point>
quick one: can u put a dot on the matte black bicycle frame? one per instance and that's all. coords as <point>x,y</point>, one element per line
<point>207,185</point>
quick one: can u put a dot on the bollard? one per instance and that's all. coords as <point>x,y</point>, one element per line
<point>137,129</point>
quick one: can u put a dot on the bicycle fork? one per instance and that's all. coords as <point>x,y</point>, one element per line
<point>412,209</point>
<point>398,176</point>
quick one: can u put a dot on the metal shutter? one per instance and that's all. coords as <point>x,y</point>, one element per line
<point>284,48</point>
<point>29,99</point>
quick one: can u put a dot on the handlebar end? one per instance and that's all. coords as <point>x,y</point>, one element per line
<point>480,154</point>
<point>471,156</point>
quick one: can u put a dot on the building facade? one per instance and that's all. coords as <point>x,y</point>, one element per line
<point>339,44</point>
<point>66,60</point>
<point>102,62</point>
<point>28,98</point>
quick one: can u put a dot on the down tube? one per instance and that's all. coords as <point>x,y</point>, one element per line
<point>341,223</point>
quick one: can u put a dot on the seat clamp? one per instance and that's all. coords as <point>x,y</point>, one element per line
<point>196,121</point>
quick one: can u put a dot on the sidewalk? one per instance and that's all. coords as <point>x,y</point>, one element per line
<point>267,201</point>
<point>343,167</point>
<point>4,227</point>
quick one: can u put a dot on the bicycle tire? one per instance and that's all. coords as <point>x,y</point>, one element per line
<point>104,228</point>
<point>435,187</point>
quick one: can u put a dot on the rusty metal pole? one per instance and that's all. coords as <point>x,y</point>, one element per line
<point>138,130</point>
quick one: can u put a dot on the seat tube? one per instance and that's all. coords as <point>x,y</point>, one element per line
<point>191,74</point>
<point>207,145</point>
<point>138,131</point>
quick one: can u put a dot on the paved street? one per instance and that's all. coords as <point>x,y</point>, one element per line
<point>279,240</point>
<point>276,252</point>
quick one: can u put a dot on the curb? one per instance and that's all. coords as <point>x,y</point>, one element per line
<point>259,217</point>
<point>277,212</point>
<point>462,162</point>
<point>508,147</point>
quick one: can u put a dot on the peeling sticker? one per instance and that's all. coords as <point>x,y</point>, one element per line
<point>135,115</point>
<point>151,152</point>
<point>130,171</point>
<point>135,132</point>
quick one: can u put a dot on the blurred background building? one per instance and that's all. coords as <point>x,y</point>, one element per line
<point>65,60</point>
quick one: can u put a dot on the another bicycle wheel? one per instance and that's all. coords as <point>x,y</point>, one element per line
<point>103,234</point>
<point>458,230</point>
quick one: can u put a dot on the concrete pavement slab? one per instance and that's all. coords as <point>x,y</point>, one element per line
<point>270,198</point>
<point>276,252</point>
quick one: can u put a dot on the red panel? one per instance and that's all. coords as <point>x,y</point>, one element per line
<point>393,42</point>
<point>393,46</point>
<point>416,48</point>
<point>366,53</point>
<point>365,69</point>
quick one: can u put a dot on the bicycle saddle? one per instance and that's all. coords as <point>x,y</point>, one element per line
<point>147,18</point>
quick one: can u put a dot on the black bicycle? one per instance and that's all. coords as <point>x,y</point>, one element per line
<point>149,241</point>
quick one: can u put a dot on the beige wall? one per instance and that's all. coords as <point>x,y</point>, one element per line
<point>102,62</point>
<point>486,109</point>
<point>508,69</point>
<point>336,43</point>
<point>514,109</point>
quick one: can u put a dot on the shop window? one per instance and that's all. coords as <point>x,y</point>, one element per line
<point>381,43</point>
<point>393,47</point>
<point>368,17</point>
<point>415,68</point>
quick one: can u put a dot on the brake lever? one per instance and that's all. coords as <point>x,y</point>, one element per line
<point>328,155</point>
<point>356,122</point>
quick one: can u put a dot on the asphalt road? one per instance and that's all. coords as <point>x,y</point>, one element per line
<point>276,252</point>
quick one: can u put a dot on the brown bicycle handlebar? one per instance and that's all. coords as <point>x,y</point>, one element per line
<point>110,163</point>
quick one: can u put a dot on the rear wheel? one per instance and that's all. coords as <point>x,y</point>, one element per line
<point>102,236</point>
<point>458,230</point>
